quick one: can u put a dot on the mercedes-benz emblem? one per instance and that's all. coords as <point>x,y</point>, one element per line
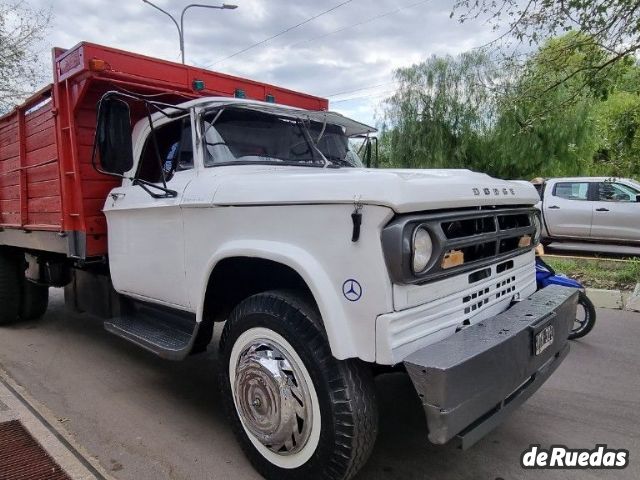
<point>352,290</point>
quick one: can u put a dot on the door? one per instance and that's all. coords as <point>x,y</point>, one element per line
<point>616,213</point>
<point>146,235</point>
<point>567,210</point>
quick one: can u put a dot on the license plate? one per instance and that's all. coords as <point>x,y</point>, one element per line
<point>544,338</point>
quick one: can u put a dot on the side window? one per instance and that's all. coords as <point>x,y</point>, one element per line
<point>616,192</point>
<point>572,190</point>
<point>174,151</point>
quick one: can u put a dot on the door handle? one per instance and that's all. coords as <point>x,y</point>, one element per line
<point>554,207</point>
<point>117,195</point>
<point>602,209</point>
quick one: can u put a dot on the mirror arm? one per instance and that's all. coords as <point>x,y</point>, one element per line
<point>147,186</point>
<point>377,159</point>
<point>156,147</point>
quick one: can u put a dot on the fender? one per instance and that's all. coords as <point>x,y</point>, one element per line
<point>339,331</point>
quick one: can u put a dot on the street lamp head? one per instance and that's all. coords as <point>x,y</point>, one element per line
<point>227,6</point>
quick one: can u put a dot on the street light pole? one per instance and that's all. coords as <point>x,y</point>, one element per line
<point>180,26</point>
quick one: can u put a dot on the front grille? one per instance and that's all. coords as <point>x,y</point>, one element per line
<point>462,241</point>
<point>482,237</point>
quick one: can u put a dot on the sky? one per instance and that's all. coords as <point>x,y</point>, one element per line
<point>348,55</point>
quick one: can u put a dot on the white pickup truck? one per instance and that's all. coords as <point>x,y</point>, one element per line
<point>590,210</point>
<point>260,215</point>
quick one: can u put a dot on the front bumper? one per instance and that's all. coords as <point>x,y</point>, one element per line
<point>471,380</point>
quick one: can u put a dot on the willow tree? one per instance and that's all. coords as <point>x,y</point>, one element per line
<point>440,113</point>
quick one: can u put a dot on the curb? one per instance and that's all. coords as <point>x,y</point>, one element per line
<point>633,302</point>
<point>615,299</point>
<point>42,426</point>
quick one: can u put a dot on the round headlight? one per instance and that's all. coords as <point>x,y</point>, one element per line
<point>538,226</point>
<point>422,249</point>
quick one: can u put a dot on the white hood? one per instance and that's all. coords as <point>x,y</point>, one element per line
<point>401,190</point>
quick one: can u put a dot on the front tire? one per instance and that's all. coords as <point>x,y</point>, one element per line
<point>296,410</point>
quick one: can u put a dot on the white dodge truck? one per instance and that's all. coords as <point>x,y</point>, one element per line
<point>324,271</point>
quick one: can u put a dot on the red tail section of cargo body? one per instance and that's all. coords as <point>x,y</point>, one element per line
<point>51,198</point>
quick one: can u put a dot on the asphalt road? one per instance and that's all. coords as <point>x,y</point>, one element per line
<point>146,418</point>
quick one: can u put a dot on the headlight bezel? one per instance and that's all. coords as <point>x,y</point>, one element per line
<point>536,222</point>
<point>426,235</point>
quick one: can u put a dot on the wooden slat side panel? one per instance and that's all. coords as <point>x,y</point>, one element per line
<point>9,179</point>
<point>45,205</point>
<point>9,171</point>
<point>43,182</point>
<point>47,188</point>
<point>9,192</point>
<point>43,219</point>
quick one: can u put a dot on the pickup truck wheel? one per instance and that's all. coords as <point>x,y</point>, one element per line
<point>10,288</point>
<point>35,300</point>
<point>296,410</point>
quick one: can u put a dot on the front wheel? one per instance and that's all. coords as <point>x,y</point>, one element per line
<point>585,317</point>
<point>296,410</point>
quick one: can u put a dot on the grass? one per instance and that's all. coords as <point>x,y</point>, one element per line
<point>595,273</point>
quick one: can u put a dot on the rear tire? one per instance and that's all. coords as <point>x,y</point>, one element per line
<point>324,425</point>
<point>35,300</point>
<point>10,288</point>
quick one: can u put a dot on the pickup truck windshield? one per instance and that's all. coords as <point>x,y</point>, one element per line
<point>247,136</point>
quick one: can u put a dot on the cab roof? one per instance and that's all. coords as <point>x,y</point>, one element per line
<point>352,127</point>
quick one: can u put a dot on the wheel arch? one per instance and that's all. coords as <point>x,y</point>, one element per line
<point>294,268</point>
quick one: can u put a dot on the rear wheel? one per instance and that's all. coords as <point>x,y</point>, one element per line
<point>10,288</point>
<point>296,410</point>
<point>35,300</point>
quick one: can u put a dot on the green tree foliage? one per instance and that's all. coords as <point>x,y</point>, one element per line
<point>467,112</point>
<point>21,30</point>
<point>617,129</point>
<point>611,26</point>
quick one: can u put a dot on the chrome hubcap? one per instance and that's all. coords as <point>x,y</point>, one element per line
<point>272,397</point>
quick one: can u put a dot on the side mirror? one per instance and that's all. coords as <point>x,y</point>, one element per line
<point>113,136</point>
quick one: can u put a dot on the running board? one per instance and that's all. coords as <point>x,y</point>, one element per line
<point>591,247</point>
<point>168,334</point>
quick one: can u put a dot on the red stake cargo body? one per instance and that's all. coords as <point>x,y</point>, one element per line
<point>51,198</point>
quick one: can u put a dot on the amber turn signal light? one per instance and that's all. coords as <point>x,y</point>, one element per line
<point>452,258</point>
<point>97,65</point>
<point>525,241</point>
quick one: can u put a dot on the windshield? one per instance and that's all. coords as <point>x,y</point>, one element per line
<point>247,136</point>
<point>634,183</point>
